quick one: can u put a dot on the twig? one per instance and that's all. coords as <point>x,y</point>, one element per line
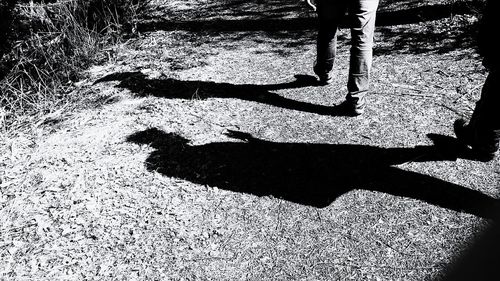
<point>452,109</point>
<point>442,72</point>
<point>408,94</point>
<point>404,86</point>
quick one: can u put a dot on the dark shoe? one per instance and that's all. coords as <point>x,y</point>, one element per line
<point>479,154</point>
<point>462,131</point>
<point>347,108</point>
<point>325,77</point>
<point>477,151</point>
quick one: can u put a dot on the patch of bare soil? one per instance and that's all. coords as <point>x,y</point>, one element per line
<point>214,155</point>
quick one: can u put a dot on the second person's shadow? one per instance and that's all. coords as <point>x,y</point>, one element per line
<point>140,85</point>
<point>305,173</point>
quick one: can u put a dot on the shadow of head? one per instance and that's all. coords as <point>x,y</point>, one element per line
<point>158,139</point>
<point>121,76</point>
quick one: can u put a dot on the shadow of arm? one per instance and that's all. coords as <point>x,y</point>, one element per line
<point>435,191</point>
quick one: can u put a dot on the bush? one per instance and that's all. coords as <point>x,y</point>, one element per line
<point>6,19</point>
<point>53,43</point>
<point>110,16</point>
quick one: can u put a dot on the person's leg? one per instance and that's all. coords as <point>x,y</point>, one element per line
<point>362,15</point>
<point>488,124</point>
<point>330,15</point>
<point>483,131</point>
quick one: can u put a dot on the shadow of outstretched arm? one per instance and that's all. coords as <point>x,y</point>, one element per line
<point>434,191</point>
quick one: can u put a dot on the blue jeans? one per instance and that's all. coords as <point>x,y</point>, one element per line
<point>361,20</point>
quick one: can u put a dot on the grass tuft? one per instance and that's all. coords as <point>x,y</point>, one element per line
<point>48,46</point>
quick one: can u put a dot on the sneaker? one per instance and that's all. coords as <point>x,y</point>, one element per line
<point>462,131</point>
<point>325,77</point>
<point>465,136</point>
<point>347,108</point>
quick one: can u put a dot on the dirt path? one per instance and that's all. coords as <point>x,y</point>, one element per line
<point>214,156</point>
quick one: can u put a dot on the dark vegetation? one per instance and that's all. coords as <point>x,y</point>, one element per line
<point>48,44</point>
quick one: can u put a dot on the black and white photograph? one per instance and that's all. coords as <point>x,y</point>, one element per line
<point>186,140</point>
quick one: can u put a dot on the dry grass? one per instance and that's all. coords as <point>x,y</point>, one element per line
<point>56,41</point>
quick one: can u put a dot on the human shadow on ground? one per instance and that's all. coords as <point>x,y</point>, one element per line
<point>307,173</point>
<point>140,85</point>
